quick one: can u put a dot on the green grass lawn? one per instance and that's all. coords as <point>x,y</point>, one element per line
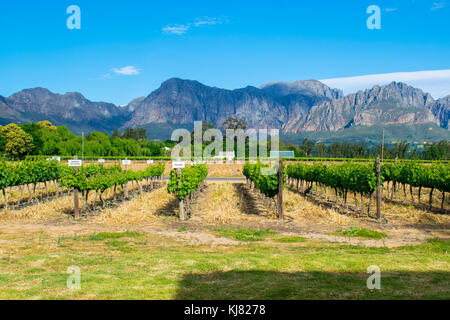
<point>361,233</point>
<point>149,266</point>
<point>290,239</point>
<point>248,235</point>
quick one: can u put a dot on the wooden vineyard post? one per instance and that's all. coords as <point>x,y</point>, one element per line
<point>76,204</point>
<point>326,186</point>
<point>182,215</point>
<point>126,183</point>
<point>378,169</point>
<point>280,190</point>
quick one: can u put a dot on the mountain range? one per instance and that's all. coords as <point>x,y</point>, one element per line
<point>71,109</point>
<point>294,107</point>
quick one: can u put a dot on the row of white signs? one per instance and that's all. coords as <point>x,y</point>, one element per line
<point>182,164</point>
<point>78,163</point>
<point>175,164</point>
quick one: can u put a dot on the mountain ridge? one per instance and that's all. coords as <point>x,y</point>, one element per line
<point>293,107</point>
<point>71,109</point>
<point>392,103</point>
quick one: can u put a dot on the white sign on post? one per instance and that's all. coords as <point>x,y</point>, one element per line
<point>282,154</point>
<point>75,163</point>
<point>149,161</point>
<point>178,164</point>
<point>126,162</point>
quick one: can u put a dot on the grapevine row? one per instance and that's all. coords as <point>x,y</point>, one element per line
<point>354,177</point>
<point>98,178</point>
<point>182,185</point>
<point>265,182</point>
<point>361,178</point>
<point>95,177</point>
<point>434,177</point>
<point>185,183</point>
<point>28,173</point>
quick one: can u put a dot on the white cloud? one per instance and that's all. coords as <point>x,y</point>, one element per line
<point>126,71</point>
<point>180,29</point>
<point>436,82</point>
<point>176,29</point>
<point>437,5</point>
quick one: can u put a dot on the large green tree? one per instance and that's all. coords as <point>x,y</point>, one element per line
<point>35,131</point>
<point>234,123</point>
<point>18,143</point>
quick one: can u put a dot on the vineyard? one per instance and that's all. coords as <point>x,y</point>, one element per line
<point>405,181</point>
<point>265,180</point>
<point>185,184</point>
<point>414,175</point>
<point>217,158</point>
<point>222,230</point>
<point>28,173</point>
<point>91,178</point>
<point>361,179</point>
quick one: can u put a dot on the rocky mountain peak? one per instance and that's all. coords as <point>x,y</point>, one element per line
<point>393,103</point>
<point>303,87</point>
<point>177,83</point>
<point>38,93</point>
<point>74,95</point>
<point>441,109</point>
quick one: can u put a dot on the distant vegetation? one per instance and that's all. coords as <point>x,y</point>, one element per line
<point>43,138</point>
<point>402,150</point>
<point>404,141</point>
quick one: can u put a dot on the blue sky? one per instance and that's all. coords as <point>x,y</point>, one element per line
<point>125,49</point>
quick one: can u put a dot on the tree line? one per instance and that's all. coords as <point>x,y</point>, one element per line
<point>401,150</point>
<point>43,138</point>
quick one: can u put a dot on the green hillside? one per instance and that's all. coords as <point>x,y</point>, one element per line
<point>163,131</point>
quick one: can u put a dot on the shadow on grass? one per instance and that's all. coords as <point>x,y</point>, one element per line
<point>272,285</point>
